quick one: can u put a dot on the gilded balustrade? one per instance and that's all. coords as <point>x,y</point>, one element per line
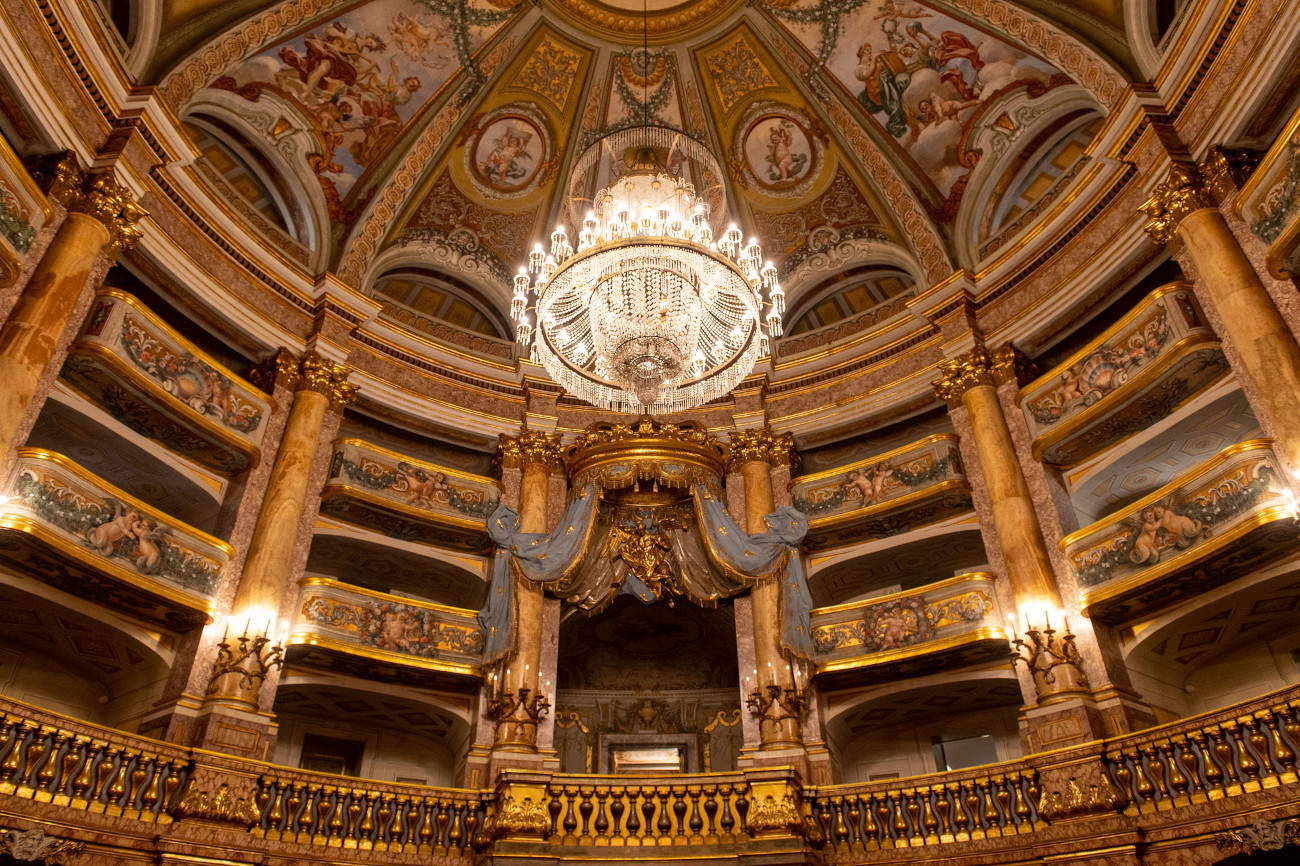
<point>319,809</point>
<point>407,498</point>
<point>884,494</point>
<point>141,371</point>
<point>1211,524</point>
<point>982,803</point>
<point>952,622</point>
<point>1158,356</point>
<point>388,629</point>
<point>81,534</point>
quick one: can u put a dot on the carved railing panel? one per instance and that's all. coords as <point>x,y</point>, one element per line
<point>81,534</point>
<point>1269,202</point>
<point>951,622</point>
<point>1140,369</point>
<point>387,628</point>
<point>23,211</point>
<point>146,375</point>
<point>406,498</point>
<point>1201,530</point>
<point>885,494</point>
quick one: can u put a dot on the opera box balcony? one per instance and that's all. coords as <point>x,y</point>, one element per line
<point>385,637</point>
<point>1136,372</point>
<point>948,624</point>
<point>888,493</point>
<point>149,377</point>
<point>82,535</point>
<point>408,499</point>
<point>1228,515</point>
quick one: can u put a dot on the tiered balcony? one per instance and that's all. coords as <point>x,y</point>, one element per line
<point>883,495</point>
<point>385,637</point>
<point>408,499</point>
<point>1222,518</point>
<point>81,534</point>
<point>1140,369</point>
<point>146,375</point>
<point>948,624</point>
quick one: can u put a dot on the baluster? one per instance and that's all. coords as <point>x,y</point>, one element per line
<point>71,760</point>
<point>415,825</point>
<point>369,803</point>
<point>742,805</point>
<point>1259,745</point>
<point>570,815</point>
<point>855,819</point>
<point>355,804</point>
<point>960,819</point>
<point>336,823</point>
<point>273,791</point>
<point>728,822</point>
<point>554,807</point>
<point>870,829</point>
<point>1146,789</point>
<point>107,763</point>
<point>427,807</point>
<point>944,808</point>
<point>616,811</point>
<point>904,808</point>
<point>1004,803</point>
<point>679,811</point>
<point>633,812</point>
<point>307,819</point>
<point>585,809</point>
<point>839,831</point>
<point>1211,774</point>
<point>37,747</point>
<point>711,810</point>
<point>1155,768</point>
<point>441,822</point>
<point>973,798</point>
<point>9,728</point>
<point>883,811</point>
<point>1290,726</point>
<point>384,818</point>
<point>153,791</point>
<point>1223,753</point>
<point>1284,753</point>
<point>471,825</point>
<point>928,819</point>
<point>1174,777</point>
<point>399,831</point>
<point>696,822</point>
<point>48,773</point>
<point>81,782</point>
<point>117,790</point>
<point>170,785</point>
<point>992,818</point>
<point>455,834</point>
<point>143,769</point>
<point>1020,802</point>
<point>665,824</point>
<point>1246,762</point>
<point>13,760</point>
<point>602,822</point>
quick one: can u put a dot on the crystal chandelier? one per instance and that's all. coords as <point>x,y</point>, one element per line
<point>648,312</point>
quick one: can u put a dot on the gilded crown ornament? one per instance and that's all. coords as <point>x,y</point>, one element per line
<point>616,456</point>
<point>1180,193</point>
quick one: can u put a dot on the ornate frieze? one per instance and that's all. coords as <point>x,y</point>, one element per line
<point>761,445</point>
<point>1180,193</point>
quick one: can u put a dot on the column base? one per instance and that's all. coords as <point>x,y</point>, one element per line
<point>514,758</point>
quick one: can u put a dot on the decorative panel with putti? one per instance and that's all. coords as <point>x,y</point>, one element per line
<point>949,623</point>
<point>1269,202</point>
<point>406,498</point>
<point>1222,518</point>
<point>146,375</point>
<point>885,494</point>
<point>81,534</point>
<point>382,628</point>
<point>1158,356</point>
<point>23,211</point>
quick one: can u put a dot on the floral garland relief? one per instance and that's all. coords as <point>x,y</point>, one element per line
<point>902,623</point>
<point>418,487</point>
<point>393,626</point>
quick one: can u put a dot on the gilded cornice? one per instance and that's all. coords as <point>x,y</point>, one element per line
<point>530,447</point>
<point>1182,192</point>
<point>761,445</point>
<point>96,195</point>
<point>979,367</point>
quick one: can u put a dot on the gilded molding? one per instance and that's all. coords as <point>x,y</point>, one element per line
<point>522,815</point>
<point>96,195</point>
<point>1182,192</point>
<point>530,446</point>
<point>762,446</point>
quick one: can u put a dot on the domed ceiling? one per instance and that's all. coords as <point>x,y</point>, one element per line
<point>436,134</point>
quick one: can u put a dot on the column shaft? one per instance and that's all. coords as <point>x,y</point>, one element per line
<point>766,596</point>
<point>529,601</point>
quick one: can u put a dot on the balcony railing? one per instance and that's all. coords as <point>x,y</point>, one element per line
<point>81,534</point>
<point>1222,769</point>
<point>882,495</point>
<point>1204,528</point>
<point>1140,369</point>
<point>1269,201</point>
<point>952,622</point>
<point>153,380</point>
<point>378,628</point>
<point>408,499</point>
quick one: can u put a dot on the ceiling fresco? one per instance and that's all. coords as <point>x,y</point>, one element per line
<point>446,126</point>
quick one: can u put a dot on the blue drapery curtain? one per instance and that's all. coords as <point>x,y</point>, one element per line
<point>767,555</point>
<point>541,557</point>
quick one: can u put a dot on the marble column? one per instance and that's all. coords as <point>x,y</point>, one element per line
<point>1257,341</point>
<point>248,651</point>
<point>971,381</point>
<point>776,701</point>
<point>516,703</point>
<point>100,222</point>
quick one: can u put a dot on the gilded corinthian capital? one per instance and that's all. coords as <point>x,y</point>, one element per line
<point>1182,192</point>
<point>530,446</point>
<point>761,445</point>
<point>978,367</point>
<point>324,376</point>
<point>96,195</point>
